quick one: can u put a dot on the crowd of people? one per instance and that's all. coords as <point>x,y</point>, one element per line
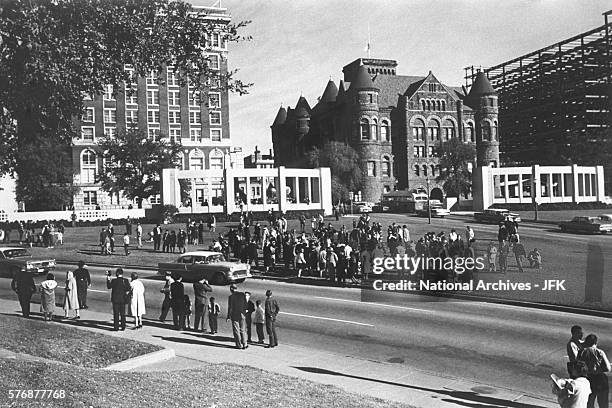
<point>48,235</point>
<point>587,367</point>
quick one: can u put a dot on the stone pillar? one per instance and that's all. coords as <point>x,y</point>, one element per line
<point>248,192</point>
<point>228,181</point>
<point>600,183</point>
<point>325,190</point>
<point>537,189</point>
<point>575,197</point>
<point>282,189</point>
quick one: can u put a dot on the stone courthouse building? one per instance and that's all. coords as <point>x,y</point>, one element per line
<point>395,122</point>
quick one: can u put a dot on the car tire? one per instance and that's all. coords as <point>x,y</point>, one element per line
<point>240,280</point>
<point>218,279</point>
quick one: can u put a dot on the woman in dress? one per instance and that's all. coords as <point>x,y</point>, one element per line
<point>71,301</point>
<point>137,304</point>
<point>47,297</point>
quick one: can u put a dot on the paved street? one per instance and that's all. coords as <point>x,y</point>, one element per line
<point>499,345</point>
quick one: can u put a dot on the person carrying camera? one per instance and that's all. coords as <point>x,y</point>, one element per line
<point>120,296</point>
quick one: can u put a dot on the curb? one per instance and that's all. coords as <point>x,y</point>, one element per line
<point>151,358</point>
<point>525,221</point>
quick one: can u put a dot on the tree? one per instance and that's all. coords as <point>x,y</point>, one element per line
<point>455,175</point>
<point>134,164</point>
<point>55,52</point>
<point>345,164</point>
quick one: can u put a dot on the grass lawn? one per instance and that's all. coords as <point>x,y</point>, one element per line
<point>215,385</point>
<point>67,344</point>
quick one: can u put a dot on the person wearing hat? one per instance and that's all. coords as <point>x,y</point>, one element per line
<point>83,281</point>
<point>177,300</point>
<point>271,311</point>
<point>120,295</point>
<point>236,309</point>
<point>166,303</point>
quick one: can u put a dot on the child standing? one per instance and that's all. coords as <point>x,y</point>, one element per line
<point>259,321</point>
<point>188,311</point>
<point>213,313</point>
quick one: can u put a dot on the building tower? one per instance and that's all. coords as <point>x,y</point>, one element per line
<point>278,143</point>
<point>364,95</point>
<point>302,126</point>
<point>483,99</point>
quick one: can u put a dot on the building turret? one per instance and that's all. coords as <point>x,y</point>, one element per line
<point>366,134</point>
<point>302,117</point>
<point>483,100</point>
<point>277,127</point>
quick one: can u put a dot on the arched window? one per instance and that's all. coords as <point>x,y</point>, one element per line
<point>196,160</point>
<point>433,170</point>
<point>425,170</point>
<point>385,135</point>
<point>417,170</point>
<point>486,130</point>
<point>449,129</point>
<point>494,130</point>
<point>423,103</point>
<point>433,130</point>
<point>365,129</point>
<point>443,105</point>
<point>215,159</point>
<point>418,130</point>
<point>89,166</point>
<point>439,105</point>
<point>385,166</point>
<point>469,132</point>
<point>374,129</point>
<point>428,105</point>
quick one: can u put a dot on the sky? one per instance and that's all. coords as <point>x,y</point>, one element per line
<point>298,45</point>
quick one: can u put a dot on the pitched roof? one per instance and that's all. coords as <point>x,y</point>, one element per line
<point>330,93</point>
<point>481,86</point>
<point>362,79</point>
<point>281,117</point>
<point>391,86</point>
<point>302,103</point>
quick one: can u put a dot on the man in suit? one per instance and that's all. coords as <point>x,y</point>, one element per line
<point>236,309</point>
<point>120,294</point>
<point>201,303</point>
<point>157,232</point>
<point>271,311</point>
<point>83,281</point>
<point>23,285</point>
<point>250,308</point>
<point>177,299</point>
<point>166,302</point>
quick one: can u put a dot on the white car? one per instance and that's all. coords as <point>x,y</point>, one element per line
<point>362,207</point>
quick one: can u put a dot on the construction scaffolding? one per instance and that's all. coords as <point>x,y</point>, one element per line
<point>556,101</point>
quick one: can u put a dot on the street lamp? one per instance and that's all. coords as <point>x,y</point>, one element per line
<point>428,200</point>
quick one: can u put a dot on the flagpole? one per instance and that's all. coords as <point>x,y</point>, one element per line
<point>369,42</point>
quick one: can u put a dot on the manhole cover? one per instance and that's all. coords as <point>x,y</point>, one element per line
<point>396,360</point>
<point>481,389</point>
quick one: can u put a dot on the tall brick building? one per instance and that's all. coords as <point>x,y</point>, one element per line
<point>159,106</point>
<point>395,123</point>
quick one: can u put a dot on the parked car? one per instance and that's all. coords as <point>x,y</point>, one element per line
<point>495,216</point>
<point>437,210</point>
<point>380,208</point>
<point>14,259</point>
<point>195,265</point>
<point>607,218</point>
<point>586,225</point>
<point>362,207</point>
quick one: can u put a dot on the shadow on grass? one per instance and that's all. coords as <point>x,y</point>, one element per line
<point>108,326</point>
<point>193,341</point>
<point>473,397</point>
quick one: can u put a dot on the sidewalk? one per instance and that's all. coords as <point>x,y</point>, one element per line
<point>382,380</point>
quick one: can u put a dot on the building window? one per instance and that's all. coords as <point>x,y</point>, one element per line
<point>425,170</point>
<point>175,135</point>
<point>371,168</point>
<point>196,160</point>
<point>88,167</point>
<point>108,93</point>
<point>469,132</point>
<point>174,117</point>
<point>215,118</point>
<point>365,129</point>
<point>89,115</point>
<point>110,115</point>
<point>90,198</point>
<point>423,104</point>
<point>215,135</point>
<point>152,78</point>
<point>430,151</point>
<point>433,130</point>
<point>418,130</point>
<point>87,133</point>
<point>384,132</point>
<point>110,131</point>
<point>449,130</point>
<point>443,105</point>
<point>195,134</point>
<point>214,100</point>
<point>215,40</point>
<point>172,77</point>
<point>433,170</point>
<point>385,167</point>
<point>216,159</point>
<point>494,135</point>
<point>131,96</point>
<point>417,170</point>
<point>194,98</point>
<point>374,129</point>
<point>131,115</point>
<point>486,130</point>
<point>213,62</point>
<point>153,116</point>
<point>419,151</point>
<point>173,98</point>
<point>153,134</point>
<point>131,75</point>
<point>153,97</point>
<point>194,117</point>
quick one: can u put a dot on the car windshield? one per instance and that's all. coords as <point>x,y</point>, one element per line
<point>15,253</point>
<point>208,259</point>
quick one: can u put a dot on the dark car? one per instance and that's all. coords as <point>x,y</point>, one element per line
<point>193,266</point>
<point>14,259</point>
<point>495,216</point>
<point>586,225</point>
